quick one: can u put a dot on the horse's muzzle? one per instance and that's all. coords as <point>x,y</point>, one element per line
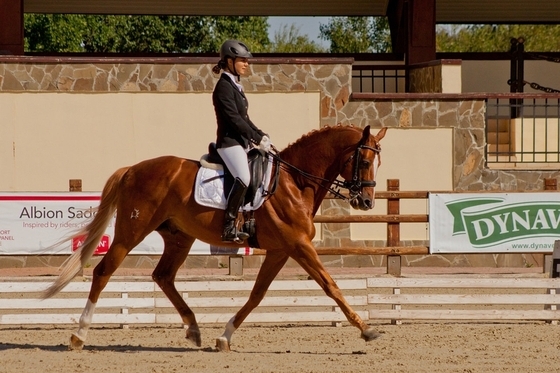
<point>361,203</point>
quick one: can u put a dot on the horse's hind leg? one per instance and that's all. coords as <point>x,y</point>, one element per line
<point>272,264</point>
<point>101,275</point>
<point>177,247</point>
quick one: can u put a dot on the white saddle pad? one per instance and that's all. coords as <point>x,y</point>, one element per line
<point>209,189</point>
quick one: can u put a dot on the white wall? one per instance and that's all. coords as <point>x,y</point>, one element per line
<point>48,138</point>
<point>492,76</point>
<point>422,160</point>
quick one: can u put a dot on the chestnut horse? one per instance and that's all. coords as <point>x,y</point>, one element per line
<point>157,194</point>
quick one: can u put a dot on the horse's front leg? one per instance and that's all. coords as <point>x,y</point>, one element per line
<point>307,257</point>
<point>272,264</point>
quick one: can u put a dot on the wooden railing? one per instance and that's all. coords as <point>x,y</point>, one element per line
<point>393,218</point>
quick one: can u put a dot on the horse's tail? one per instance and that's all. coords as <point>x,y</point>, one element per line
<point>93,232</point>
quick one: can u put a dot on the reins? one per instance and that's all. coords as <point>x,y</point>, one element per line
<point>353,186</point>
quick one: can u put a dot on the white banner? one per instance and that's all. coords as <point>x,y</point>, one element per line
<point>494,222</point>
<point>31,223</point>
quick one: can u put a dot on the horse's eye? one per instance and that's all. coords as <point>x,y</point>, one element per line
<point>365,163</point>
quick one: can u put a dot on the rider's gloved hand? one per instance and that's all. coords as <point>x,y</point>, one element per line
<point>265,144</point>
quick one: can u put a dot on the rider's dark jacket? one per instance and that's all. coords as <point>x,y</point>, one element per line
<point>234,125</point>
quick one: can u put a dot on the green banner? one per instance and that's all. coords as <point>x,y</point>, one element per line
<point>491,225</point>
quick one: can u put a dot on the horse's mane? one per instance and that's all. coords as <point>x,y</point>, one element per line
<point>310,136</point>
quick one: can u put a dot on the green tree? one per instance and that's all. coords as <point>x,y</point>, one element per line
<point>496,38</point>
<point>289,40</point>
<point>251,30</point>
<point>357,34</point>
<point>140,34</point>
<point>55,32</point>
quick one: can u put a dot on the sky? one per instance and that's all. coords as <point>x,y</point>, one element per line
<point>307,26</point>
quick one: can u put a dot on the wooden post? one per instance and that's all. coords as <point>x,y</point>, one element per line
<point>75,185</point>
<point>421,35</point>
<point>393,229</point>
<point>549,185</point>
<point>11,27</point>
<point>554,273</point>
<point>396,307</point>
<point>555,267</point>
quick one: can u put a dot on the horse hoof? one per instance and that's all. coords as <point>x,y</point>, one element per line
<point>222,344</point>
<point>370,334</point>
<point>76,344</point>
<point>194,337</point>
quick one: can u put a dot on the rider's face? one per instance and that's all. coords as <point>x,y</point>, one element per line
<point>240,65</point>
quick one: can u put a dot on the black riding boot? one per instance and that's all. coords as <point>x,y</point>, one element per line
<point>235,199</point>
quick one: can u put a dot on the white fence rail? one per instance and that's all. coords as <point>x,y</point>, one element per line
<point>384,298</point>
<point>517,299</point>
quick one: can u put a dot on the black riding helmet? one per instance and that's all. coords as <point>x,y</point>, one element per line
<point>234,49</point>
<point>231,49</point>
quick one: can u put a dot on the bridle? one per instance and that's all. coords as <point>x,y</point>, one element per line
<point>354,186</point>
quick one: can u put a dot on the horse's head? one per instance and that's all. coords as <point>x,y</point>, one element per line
<point>361,168</point>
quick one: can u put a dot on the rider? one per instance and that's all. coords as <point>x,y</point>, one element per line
<point>236,134</point>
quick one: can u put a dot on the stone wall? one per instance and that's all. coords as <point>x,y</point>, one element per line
<point>332,78</point>
<point>466,116</point>
<point>48,74</point>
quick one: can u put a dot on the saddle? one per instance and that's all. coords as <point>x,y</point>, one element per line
<point>258,163</point>
<point>211,192</point>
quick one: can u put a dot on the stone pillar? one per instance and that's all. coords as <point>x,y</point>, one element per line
<point>11,27</point>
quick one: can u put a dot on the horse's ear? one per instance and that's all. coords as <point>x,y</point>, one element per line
<point>365,135</point>
<point>381,134</point>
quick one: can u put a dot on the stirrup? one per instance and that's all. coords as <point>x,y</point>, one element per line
<point>237,237</point>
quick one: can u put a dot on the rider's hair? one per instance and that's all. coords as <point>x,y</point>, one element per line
<point>220,66</point>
